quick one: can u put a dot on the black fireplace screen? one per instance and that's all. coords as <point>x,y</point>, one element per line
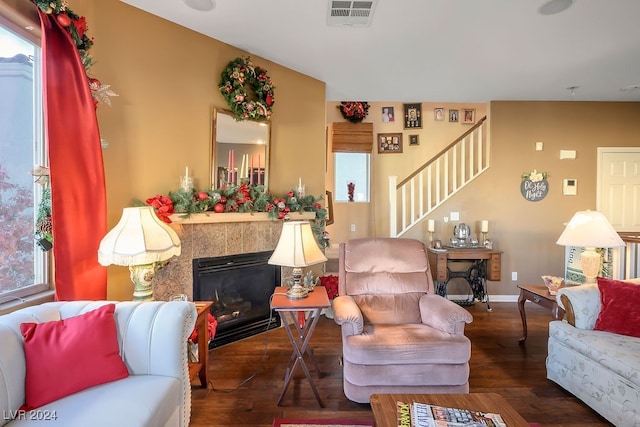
<point>240,287</point>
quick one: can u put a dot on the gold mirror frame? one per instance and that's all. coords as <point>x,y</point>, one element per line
<point>231,138</point>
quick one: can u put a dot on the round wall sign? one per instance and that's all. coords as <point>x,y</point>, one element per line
<point>534,191</point>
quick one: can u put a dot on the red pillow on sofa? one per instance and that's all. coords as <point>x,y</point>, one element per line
<point>70,355</point>
<point>620,312</point>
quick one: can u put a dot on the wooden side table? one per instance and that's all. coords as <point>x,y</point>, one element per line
<point>538,294</point>
<point>201,367</point>
<point>288,308</point>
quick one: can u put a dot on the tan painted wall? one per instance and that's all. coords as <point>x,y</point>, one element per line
<point>525,231</point>
<point>167,78</point>
<point>372,219</point>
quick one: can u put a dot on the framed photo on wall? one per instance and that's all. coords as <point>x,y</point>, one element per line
<point>387,115</point>
<point>414,140</point>
<point>438,114</point>
<point>412,116</point>
<point>390,143</point>
<point>469,116</point>
<point>454,115</point>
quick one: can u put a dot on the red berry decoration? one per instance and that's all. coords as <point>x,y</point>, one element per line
<point>203,195</point>
<point>223,199</point>
<point>219,208</point>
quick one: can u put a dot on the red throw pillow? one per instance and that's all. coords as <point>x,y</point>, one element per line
<point>620,312</point>
<point>70,355</point>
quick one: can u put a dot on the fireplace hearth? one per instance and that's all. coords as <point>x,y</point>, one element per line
<point>240,287</point>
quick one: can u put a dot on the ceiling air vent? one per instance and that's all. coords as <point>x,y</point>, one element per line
<point>350,13</point>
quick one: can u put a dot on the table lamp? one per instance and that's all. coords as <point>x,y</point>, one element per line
<point>590,229</point>
<point>297,248</point>
<point>139,241</point>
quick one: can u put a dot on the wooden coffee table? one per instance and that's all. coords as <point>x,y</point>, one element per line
<point>385,411</point>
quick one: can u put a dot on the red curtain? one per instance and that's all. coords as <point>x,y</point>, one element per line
<point>78,200</point>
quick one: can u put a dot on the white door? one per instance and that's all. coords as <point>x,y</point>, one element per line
<point>618,186</point>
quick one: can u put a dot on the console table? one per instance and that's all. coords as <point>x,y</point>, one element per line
<point>485,265</point>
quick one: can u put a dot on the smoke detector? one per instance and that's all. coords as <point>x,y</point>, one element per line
<point>344,13</point>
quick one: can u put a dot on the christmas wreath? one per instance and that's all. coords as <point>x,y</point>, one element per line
<point>354,111</point>
<point>240,74</point>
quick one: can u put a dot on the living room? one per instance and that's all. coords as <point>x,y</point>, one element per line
<point>161,122</point>
<point>141,124</point>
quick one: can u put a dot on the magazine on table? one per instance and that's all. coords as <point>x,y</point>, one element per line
<point>424,415</point>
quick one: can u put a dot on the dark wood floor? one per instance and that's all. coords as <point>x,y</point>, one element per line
<point>498,364</point>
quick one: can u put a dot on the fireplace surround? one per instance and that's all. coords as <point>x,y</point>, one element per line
<point>240,287</point>
<point>217,235</point>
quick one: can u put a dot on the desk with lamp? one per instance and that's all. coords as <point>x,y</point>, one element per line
<point>586,230</point>
<point>298,248</point>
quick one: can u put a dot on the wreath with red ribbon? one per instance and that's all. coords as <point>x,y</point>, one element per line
<point>239,75</point>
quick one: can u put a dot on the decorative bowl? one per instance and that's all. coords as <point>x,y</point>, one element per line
<point>553,283</point>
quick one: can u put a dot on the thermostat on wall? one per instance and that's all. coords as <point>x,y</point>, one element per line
<point>569,186</point>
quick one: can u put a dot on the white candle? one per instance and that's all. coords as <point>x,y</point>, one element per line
<point>186,171</point>
<point>431,226</point>
<point>484,226</point>
<point>299,183</point>
<point>242,167</point>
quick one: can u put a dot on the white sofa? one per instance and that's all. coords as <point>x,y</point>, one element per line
<point>600,368</point>
<point>152,337</point>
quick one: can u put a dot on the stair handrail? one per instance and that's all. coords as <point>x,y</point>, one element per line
<point>441,152</point>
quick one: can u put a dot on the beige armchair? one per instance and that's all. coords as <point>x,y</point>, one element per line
<point>398,336</point>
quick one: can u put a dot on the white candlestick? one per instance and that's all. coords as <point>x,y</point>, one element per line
<point>186,171</point>
<point>484,226</point>
<point>431,226</point>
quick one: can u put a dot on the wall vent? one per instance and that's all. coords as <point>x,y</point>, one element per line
<point>344,13</point>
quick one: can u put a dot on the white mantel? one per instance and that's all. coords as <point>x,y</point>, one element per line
<point>212,217</point>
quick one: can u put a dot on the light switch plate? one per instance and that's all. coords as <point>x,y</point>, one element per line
<point>539,146</point>
<point>455,216</point>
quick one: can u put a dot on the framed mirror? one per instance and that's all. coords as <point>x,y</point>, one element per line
<point>240,150</point>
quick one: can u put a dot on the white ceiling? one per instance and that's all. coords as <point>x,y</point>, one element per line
<point>437,50</point>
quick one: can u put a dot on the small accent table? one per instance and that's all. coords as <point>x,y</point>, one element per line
<point>201,368</point>
<point>314,303</point>
<point>538,294</point>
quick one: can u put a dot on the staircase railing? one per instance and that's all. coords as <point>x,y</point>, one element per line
<point>429,186</point>
<point>629,257</point>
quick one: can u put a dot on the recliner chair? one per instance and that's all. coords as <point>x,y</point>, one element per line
<point>398,336</point>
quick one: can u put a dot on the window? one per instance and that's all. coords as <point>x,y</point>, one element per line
<point>24,266</point>
<point>352,168</point>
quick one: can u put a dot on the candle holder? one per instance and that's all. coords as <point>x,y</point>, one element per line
<point>484,237</point>
<point>186,183</point>
<point>430,239</point>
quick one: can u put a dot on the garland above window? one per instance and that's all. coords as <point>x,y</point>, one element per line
<point>76,26</point>
<point>354,111</point>
<point>239,76</point>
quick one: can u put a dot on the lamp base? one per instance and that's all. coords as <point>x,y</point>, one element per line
<point>297,291</point>
<point>590,264</point>
<point>141,276</point>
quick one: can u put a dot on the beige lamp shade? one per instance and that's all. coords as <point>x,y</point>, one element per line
<point>297,246</point>
<point>139,238</point>
<point>590,229</point>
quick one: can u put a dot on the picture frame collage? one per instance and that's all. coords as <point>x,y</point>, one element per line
<point>412,119</point>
